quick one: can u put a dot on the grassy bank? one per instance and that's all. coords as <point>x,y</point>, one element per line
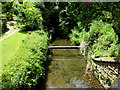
<point>26,65</point>
<point>10,46</point>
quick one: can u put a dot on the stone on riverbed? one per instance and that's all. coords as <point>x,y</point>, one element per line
<point>79,83</point>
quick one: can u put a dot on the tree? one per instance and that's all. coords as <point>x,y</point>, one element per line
<point>28,15</point>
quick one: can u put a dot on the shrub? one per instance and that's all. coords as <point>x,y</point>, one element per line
<point>78,34</point>
<point>28,15</point>
<point>101,38</point>
<point>27,66</point>
<point>3,24</point>
<point>75,38</point>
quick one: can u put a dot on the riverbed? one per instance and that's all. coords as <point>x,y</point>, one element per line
<point>67,68</point>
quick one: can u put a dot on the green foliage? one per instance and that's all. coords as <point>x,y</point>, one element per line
<point>5,15</point>
<point>28,15</point>
<point>27,65</point>
<point>62,16</point>
<point>50,14</point>
<point>75,36</point>
<point>7,9</point>
<point>78,34</point>
<point>3,25</point>
<point>73,12</point>
<point>101,38</point>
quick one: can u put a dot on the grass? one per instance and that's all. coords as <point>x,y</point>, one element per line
<point>0,52</point>
<point>10,45</point>
<point>27,63</point>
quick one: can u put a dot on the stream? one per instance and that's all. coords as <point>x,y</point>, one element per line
<point>67,69</point>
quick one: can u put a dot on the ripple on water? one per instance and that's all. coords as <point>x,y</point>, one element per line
<point>67,69</point>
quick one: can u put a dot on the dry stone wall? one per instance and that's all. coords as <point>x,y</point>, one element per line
<point>106,71</point>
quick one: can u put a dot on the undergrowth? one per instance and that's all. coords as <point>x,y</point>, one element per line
<point>27,65</point>
<point>101,39</point>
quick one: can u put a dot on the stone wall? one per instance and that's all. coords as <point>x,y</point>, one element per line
<point>106,71</point>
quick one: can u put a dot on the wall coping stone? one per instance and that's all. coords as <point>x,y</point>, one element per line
<point>107,59</point>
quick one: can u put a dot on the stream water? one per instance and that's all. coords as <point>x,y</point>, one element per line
<point>67,69</point>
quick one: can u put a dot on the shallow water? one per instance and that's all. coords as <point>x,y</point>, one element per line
<point>67,69</point>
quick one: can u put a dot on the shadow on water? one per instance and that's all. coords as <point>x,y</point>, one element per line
<point>41,82</point>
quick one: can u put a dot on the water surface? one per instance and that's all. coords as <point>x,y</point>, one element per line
<point>67,69</point>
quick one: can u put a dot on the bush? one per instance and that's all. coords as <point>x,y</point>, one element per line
<point>75,38</point>
<point>27,66</point>
<point>101,38</point>
<point>78,34</point>
<point>28,15</point>
<point>3,24</point>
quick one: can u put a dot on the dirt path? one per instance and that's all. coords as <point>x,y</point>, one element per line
<point>12,30</point>
<point>9,35</point>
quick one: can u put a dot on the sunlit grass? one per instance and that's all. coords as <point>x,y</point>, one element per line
<point>10,45</point>
<point>28,59</point>
<point>0,60</point>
